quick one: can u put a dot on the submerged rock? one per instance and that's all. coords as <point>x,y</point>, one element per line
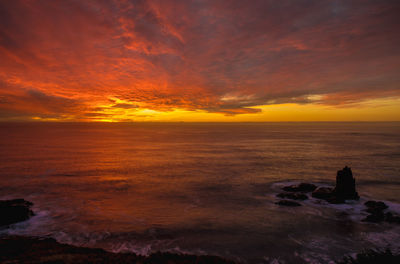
<point>323,193</point>
<point>327,194</point>
<point>390,218</point>
<point>375,206</point>
<point>293,196</point>
<point>302,187</point>
<point>345,185</point>
<point>336,200</point>
<point>377,214</point>
<point>288,203</point>
<point>14,211</point>
<point>376,217</point>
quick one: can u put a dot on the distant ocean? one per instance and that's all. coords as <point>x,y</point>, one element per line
<point>202,188</point>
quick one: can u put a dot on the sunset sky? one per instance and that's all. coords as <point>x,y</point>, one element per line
<point>165,60</point>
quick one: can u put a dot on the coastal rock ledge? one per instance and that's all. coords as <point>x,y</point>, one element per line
<point>14,211</point>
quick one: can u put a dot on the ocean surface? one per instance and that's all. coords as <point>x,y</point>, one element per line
<point>201,188</point>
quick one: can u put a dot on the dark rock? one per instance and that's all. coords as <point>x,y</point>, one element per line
<point>16,249</point>
<point>288,203</point>
<point>345,185</point>
<point>345,188</point>
<point>390,218</point>
<point>375,217</point>
<point>328,195</point>
<point>302,187</point>
<point>293,196</point>
<point>323,193</point>
<point>14,211</point>
<point>336,200</point>
<point>372,256</point>
<point>374,206</point>
<point>15,202</point>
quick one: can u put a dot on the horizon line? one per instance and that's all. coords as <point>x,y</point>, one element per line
<point>233,122</point>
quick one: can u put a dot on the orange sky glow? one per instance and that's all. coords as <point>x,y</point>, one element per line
<point>183,60</point>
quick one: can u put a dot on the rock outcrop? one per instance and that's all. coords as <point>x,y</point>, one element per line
<point>14,211</point>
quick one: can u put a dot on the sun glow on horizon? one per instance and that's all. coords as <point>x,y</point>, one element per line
<point>372,110</point>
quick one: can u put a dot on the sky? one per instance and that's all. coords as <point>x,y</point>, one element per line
<point>200,60</point>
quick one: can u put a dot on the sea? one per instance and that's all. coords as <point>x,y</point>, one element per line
<point>202,188</point>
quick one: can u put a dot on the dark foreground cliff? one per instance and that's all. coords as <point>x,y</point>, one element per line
<point>18,249</point>
<point>34,250</point>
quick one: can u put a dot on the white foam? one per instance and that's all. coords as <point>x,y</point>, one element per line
<point>355,209</point>
<point>314,254</point>
<point>147,248</point>
<point>281,184</point>
<point>388,239</point>
<point>274,260</point>
<point>393,207</point>
<point>179,250</point>
<point>33,226</point>
<point>132,247</point>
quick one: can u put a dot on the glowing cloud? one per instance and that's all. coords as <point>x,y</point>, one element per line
<point>167,60</point>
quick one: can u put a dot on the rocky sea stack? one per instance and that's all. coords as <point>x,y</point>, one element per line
<point>345,188</point>
<point>345,185</point>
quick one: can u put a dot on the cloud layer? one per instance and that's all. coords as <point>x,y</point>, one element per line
<point>85,60</point>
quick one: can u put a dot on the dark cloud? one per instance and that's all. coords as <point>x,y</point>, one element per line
<point>90,114</point>
<point>34,103</point>
<point>52,103</point>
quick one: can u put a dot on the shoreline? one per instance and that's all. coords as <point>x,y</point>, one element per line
<point>31,249</point>
<point>25,249</point>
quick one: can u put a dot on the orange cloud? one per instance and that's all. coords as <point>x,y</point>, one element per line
<point>112,60</point>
